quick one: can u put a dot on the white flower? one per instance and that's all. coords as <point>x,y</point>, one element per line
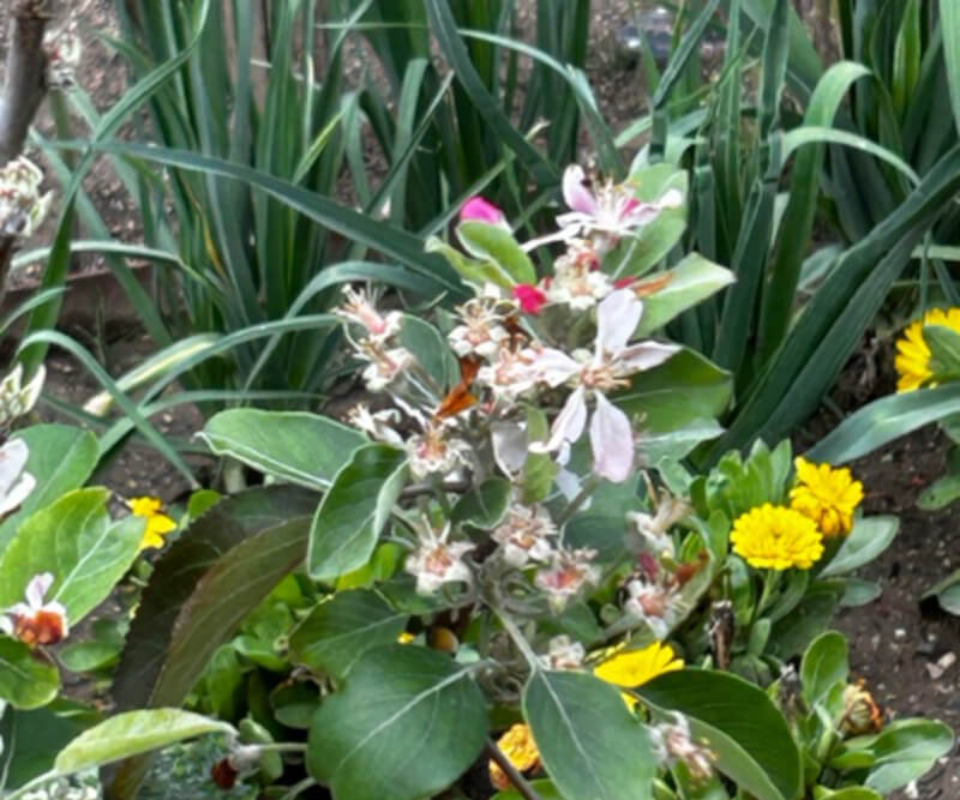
<point>672,742</point>
<point>15,484</point>
<point>654,528</point>
<point>64,50</point>
<point>435,451</point>
<point>386,365</point>
<point>611,436</point>
<point>482,332</point>
<point>652,603</point>
<point>378,425</point>
<point>17,399</point>
<point>437,561</point>
<point>563,654</point>
<point>358,308</point>
<point>22,207</point>
<point>35,622</point>
<point>525,535</point>
<point>577,279</point>
<point>511,375</point>
<point>569,572</point>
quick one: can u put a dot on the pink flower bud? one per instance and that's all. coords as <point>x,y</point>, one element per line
<point>477,209</point>
<point>531,299</point>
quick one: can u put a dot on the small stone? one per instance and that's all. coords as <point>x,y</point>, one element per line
<point>935,671</point>
<point>946,661</point>
<point>900,633</point>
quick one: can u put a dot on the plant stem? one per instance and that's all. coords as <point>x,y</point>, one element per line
<point>516,778</point>
<point>299,788</point>
<point>589,487</point>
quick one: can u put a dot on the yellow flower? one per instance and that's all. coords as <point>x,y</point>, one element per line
<point>406,637</point>
<point>158,523</point>
<point>632,668</point>
<point>826,495</point>
<point>776,537</point>
<point>913,354</point>
<point>518,746</point>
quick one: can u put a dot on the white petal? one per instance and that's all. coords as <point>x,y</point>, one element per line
<point>509,446</point>
<point>31,392</point>
<point>37,589</point>
<point>575,194</point>
<point>645,355</point>
<point>6,625</point>
<point>612,441</point>
<point>617,318</point>
<point>569,424</point>
<point>567,231</point>
<point>555,367</point>
<point>13,458</point>
<point>17,494</point>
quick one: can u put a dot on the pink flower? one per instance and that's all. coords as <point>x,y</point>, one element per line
<point>476,209</point>
<point>531,299</point>
<point>437,562</point>
<point>568,573</point>
<point>611,436</point>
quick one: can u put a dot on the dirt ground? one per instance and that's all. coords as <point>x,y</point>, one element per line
<point>893,645</point>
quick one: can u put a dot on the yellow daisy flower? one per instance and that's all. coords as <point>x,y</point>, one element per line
<point>159,524</point>
<point>826,495</point>
<point>632,668</point>
<point>518,746</point>
<point>913,355</point>
<point>776,537</point>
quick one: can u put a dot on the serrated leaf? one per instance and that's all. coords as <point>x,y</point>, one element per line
<point>76,541</point>
<point>408,722</point>
<point>590,744</point>
<point>131,734</point>
<point>303,448</point>
<point>341,630</point>
<point>353,512</point>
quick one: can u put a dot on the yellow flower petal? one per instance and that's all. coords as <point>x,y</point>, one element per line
<point>827,496</point>
<point>633,668</point>
<point>518,746</point>
<point>159,524</point>
<point>913,357</point>
<point>775,537</point>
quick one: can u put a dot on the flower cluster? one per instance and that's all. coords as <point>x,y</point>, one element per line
<point>22,207</point>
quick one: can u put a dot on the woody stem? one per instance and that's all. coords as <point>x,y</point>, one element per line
<point>516,778</point>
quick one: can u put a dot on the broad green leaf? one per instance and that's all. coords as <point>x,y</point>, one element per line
<point>868,539</point>
<point>478,273</point>
<point>694,279</point>
<point>590,744</point>
<point>492,243</point>
<point>944,344</point>
<point>133,733</point>
<point>825,664</point>
<point>352,514</point>
<point>851,793</point>
<point>408,722</point>
<point>687,387</point>
<point>61,459</point>
<point>431,350</point>
<point>859,592</point>
<point>947,593</point>
<point>27,679</point>
<point>941,493</point>
<point>601,526</point>
<point>545,789</point>
<point>539,470</point>
<point>305,449</point>
<point>950,26</point>
<point>906,750</point>
<point>485,506</point>
<point>793,633</point>
<point>755,749</point>
<point>101,649</point>
<point>76,540</point>
<point>339,631</point>
<point>677,445</point>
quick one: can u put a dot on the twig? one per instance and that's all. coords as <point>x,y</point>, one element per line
<point>520,783</point>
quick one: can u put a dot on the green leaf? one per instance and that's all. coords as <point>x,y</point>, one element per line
<point>432,351</point>
<point>352,514</point>
<point>906,750</point>
<point>478,273</point>
<point>485,506</point>
<point>825,664</point>
<point>601,526</point>
<point>685,388</point>
<point>941,493</point>
<point>76,540</point>
<point>694,279</point>
<point>539,470</point>
<point>496,245</point>
<point>339,631</point>
<point>950,26</point>
<point>944,346</point>
<point>947,593</point>
<point>27,679</point>
<point>545,789</point>
<point>306,449</point>
<point>133,733</point>
<point>97,652</point>
<point>859,592</point>
<point>590,744</point>
<point>793,634</point>
<point>61,459</point>
<point>868,539</point>
<point>408,722</point>
<point>755,749</point>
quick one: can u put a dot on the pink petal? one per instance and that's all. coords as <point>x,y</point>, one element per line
<point>576,195</point>
<point>479,210</point>
<point>531,299</point>
<point>645,355</point>
<point>612,441</point>
<point>617,318</point>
